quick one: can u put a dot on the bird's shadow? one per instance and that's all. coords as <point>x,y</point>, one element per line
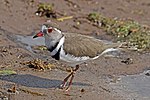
<point>36,82</point>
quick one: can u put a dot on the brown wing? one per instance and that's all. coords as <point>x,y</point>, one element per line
<point>82,45</point>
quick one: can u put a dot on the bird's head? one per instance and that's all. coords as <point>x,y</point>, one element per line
<point>49,31</point>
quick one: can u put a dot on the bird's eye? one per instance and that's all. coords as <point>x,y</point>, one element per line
<point>50,30</point>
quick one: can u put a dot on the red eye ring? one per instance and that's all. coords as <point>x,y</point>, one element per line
<point>49,30</point>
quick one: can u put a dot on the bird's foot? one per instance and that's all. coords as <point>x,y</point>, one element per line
<point>64,84</point>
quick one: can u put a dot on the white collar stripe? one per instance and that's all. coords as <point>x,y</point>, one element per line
<point>61,42</point>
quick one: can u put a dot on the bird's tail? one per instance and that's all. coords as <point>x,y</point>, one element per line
<point>113,47</point>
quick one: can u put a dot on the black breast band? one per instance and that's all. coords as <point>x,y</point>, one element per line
<point>57,55</point>
<point>52,48</point>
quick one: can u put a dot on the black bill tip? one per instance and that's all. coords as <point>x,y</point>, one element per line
<point>35,36</point>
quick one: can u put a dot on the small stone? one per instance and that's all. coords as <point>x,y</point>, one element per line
<point>128,61</point>
<point>82,90</point>
<point>4,98</point>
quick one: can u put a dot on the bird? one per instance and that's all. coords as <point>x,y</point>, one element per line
<point>73,48</point>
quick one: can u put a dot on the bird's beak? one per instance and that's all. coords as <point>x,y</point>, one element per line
<point>40,34</point>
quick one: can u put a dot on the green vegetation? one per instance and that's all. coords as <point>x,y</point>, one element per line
<point>136,35</point>
<point>94,17</point>
<point>7,72</point>
<point>46,9</point>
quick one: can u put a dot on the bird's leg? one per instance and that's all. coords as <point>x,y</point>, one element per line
<point>68,87</point>
<point>66,79</point>
<point>72,77</point>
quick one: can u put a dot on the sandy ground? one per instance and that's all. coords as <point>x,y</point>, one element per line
<point>17,17</point>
